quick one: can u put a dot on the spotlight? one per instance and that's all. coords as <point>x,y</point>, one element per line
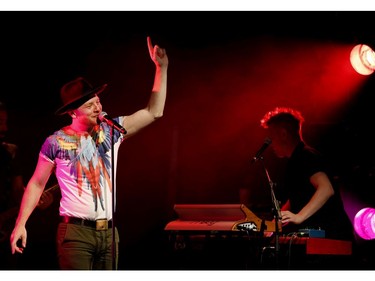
<point>362,58</point>
<point>364,223</point>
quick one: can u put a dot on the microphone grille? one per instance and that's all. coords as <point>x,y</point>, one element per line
<point>101,115</point>
<point>267,140</point>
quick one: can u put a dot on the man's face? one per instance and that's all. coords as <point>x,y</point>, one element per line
<point>278,137</point>
<point>89,111</point>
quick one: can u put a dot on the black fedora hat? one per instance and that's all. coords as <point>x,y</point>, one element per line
<point>76,92</point>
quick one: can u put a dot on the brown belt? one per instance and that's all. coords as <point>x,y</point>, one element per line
<point>100,224</point>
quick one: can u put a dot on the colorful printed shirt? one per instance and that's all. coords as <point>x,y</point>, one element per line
<point>83,169</point>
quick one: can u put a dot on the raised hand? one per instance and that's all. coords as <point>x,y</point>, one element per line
<point>157,54</point>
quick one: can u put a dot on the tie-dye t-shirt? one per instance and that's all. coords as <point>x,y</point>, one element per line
<point>83,169</point>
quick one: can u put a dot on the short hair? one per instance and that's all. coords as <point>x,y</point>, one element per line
<point>285,117</point>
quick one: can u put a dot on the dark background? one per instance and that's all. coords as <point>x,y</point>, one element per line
<point>227,69</point>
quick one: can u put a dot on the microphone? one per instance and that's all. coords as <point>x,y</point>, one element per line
<point>103,117</point>
<point>266,143</point>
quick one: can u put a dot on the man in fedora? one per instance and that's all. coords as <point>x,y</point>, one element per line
<point>80,155</point>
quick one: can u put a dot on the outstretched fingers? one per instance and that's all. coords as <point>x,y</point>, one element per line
<point>150,47</point>
<point>157,54</point>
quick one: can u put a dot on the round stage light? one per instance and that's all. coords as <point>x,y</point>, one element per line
<point>362,58</point>
<point>364,223</point>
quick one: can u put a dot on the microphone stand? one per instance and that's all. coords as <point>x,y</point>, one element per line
<point>114,265</point>
<point>276,212</point>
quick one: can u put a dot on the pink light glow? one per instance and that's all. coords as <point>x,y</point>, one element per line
<point>364,223</point>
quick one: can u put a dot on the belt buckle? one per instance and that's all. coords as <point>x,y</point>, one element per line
<point>101,224</point>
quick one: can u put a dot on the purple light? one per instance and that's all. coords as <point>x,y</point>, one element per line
<point>364,223</point>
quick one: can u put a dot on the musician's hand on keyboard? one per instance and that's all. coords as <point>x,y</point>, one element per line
<point>289,217</point>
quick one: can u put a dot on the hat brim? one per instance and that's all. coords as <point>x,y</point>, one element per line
<point>81,100</point>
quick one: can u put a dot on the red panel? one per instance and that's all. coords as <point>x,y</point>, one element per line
<point>324,246</point>
<point>320,246</point>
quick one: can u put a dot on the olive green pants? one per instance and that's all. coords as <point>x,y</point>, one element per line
<point>85,248</point>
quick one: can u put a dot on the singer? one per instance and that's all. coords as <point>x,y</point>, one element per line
<point>80,157</point>
<point>310,197</point>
